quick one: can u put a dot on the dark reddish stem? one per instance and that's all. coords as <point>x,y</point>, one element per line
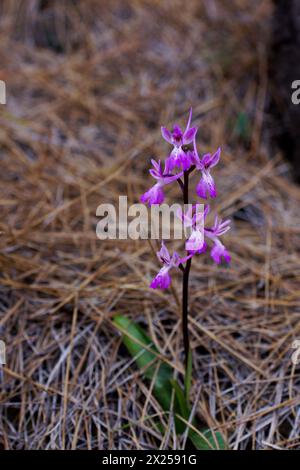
<point>185,282</point>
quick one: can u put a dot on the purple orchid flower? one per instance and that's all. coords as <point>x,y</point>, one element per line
<point>155,195</point>
<point>194,220</point>
<point>218,229</point>
<point>177,138</point>
<point>206,185</point>
<point>163,279</point>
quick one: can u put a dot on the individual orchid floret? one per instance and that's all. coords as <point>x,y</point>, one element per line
<point>194,219</point>
<point>177,138</point>
<point>218,251</point>
<point>163,279</point>
<point>206,185</point>
<point>155,195</point>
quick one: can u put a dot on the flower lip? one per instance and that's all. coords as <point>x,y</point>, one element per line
<point>154,195</point>
<point>195,242</point>
<point>162,280</point>
<point>218,252</point>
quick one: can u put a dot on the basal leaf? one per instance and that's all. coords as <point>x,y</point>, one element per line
<point>135,340</point>
<point>147,358</point>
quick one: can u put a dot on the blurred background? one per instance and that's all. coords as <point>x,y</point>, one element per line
<point>89,83</point>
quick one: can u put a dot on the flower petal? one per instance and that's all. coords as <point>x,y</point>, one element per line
<point>196,158</point>
<point>201,250</point>
<point>195,242</point>
<point>169,164</point>
<point>175,260</point>
<point>162,280</point>
<point>177,135</point>
<point>174,159</point>
<point>154,174</point>
<point>166,134</point>
<point>184,260</point>
<point>186,160</point>
<point>156,165</point>
<point>189,135</point>
<point>215,158</point>
<point>189,120</point>
<point>163,254</point>
<point>185,217</point>
<point>201,189</point>
<point>206,185</point>
<point>170,178</point>
<point>206,160</point>
<point>154,195</point>
<point>218,252</point>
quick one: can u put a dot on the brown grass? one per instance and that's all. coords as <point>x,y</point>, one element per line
<point>89,84</point>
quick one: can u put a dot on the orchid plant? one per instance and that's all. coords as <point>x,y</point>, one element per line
<point>181,162</point>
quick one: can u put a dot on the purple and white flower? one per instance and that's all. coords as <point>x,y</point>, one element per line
<point>178,138</point>
<point>155,195</point>
<point>218,250</point>
<point>206,186</point>
<point>194,219</point>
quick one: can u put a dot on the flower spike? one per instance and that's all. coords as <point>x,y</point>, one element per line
<point>198,236</point>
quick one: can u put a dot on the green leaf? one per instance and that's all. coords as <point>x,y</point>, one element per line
<point>204,440</point>
<point>147,358</point>
<point>182,406</point>
<point>208,440</point>
<point>135,340</point>
<point>242,126</point>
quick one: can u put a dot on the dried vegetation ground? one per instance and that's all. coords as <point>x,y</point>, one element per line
<point>89,84</point>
